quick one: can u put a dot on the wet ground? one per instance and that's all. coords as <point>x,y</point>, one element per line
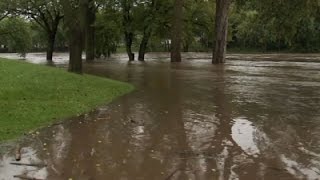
<point>256,117</point>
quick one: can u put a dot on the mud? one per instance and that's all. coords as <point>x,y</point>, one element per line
<point>256,117</point>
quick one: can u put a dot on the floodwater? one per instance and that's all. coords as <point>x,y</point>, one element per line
<point>256,117</point>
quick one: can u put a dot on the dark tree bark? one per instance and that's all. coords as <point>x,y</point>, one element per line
<point>176,36</point>
<point>148,28</point>
<point>129,41</point>
<point>221,31</point>
<point>52,33</point>
<point>75,48</point>
<point>75,21</point>
<point>144,44</point>
<point>90,32</point>
<point>50,46</point>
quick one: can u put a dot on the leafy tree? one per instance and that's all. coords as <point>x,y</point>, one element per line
<point>128,25</point>
<point>108,31</point>
<point>46,13</point>
<point>15,33</point>
<point>276,25</point>
<point>199,28</point>
<point>150,12</point>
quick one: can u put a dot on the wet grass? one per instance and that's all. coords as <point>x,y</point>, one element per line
<point>32,96</point>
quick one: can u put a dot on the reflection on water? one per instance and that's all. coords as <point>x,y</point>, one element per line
<point>257,117</point>
<point>244,134</point>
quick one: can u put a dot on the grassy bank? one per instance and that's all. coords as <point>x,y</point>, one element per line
<point>32,96</point>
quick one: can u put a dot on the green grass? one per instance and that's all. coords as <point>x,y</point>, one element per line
<point>33,96</point>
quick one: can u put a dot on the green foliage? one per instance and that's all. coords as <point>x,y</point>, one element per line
<point>15,34</point>
<point>199,25</point>
<point>3,9</point>
<point>36,95</point>
<point>40,37</point>
<point>108,31</point>
<point>255,24</point>
<point>46,13</point>
<point>276,25</point>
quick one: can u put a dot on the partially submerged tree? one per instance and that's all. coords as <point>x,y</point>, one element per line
<point>75,23</point>
<point>148,15</point>
<point>177,27</point>
<point>221,31</point>
<point>127,22</point>
<point>46,13</point>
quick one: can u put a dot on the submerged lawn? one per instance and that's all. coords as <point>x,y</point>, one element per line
<point>32,96</point>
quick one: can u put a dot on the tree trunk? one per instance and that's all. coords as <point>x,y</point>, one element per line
<point>51,35</point>
<point>128,27</point>
<point>221,31</point>
<point>129,40</point>
<point>75,48</point>
<point>50,45</point>
<point>75,20</point>
<point>144,44</point>
<point>90,32</point>
<point>177,32</point>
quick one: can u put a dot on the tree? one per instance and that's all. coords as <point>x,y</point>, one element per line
<point>15,33</point>
<point>221,31</point>
<point>107,31</point>
<point>75,22</point>
<point>176,36</point>
<point>276,25</point>
<point>46,13</point>
<point>148,19</point>
<point>127,23</point>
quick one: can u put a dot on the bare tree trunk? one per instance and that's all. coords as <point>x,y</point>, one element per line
<point>128,29</point>
<point>50,45</point>
<point>129,41</point>
<point>75,20</point>
<point>177,31</point>
<point>76,47</point>
<point>51,35</point>
<point>90,32</point>
<point>144,44</point>
<point>221,31</point>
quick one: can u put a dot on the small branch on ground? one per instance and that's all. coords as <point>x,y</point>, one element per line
<point>25,177</point>
<point>32,165</point>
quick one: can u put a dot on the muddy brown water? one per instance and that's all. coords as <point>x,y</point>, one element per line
<point>256,117</point>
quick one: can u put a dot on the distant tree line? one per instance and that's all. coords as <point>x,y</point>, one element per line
<point>102,27</point>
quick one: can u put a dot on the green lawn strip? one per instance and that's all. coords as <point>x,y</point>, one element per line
<point>32,96</point>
